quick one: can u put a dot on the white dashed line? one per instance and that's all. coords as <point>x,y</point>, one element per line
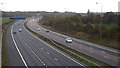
<point>54,48</point>
<point>91,48</point>
<point>42,48</point>
<point>105,57</point>
<point>32,51</point>
<point>18,48</point>
<point>102,51</point>
<point>66,67</point>
<point>48,53</point>
<point>43,64</point>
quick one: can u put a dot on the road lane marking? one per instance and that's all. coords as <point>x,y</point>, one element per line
<point>89,43</point>
<point>56,50</point>
<point>18,48</point>
<point>102,51</point>
<point>48,53</point>
<point>32,50</point>
<point>95,45</point>
<point>66,67</point>
<point>44,64</point>
<point>105,57</point>
<point>53,48</point>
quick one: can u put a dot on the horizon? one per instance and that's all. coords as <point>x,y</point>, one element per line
<point>77,6</point>
<point>59,11</point>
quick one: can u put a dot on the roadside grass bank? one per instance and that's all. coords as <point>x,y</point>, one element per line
<point>4,51</point>
<point>101,43</point>
<point>5,20</point>
<point>77,55</point>
<point>104,34</point>
<point>5,25</point>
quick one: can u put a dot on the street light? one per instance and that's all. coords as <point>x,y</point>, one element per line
<point>1,3</point>
<point>66,9</point>
<point>101,6</point>
<point>100,20</point>
<point>68,20</point>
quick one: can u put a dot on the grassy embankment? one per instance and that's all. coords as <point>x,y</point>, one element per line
<point>5,23</point>
<point>81,57</point>
<point>89,32</point>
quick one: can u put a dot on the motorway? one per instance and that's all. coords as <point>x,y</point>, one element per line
<point>102,53</point>
<point>25,49</point>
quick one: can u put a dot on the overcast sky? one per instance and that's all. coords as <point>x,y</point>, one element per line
<point>59,5</point>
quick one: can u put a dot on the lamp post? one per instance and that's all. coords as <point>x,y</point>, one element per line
<point>1,4</point>
<point>100,20</point>
<point>68,21</point>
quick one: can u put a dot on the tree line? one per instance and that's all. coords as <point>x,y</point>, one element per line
<point>88,27</point>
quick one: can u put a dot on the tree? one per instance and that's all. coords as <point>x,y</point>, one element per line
<point>110,18</point>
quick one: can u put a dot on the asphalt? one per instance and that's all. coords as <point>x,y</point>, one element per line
<point>12,54</point>
<point>25,49</point>
<point>104,54</point>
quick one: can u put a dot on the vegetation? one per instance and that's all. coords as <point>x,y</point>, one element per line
<point>4,52</point>
<point>94,28</point>
<point>77,55</point>
<point>5,23</point>
<point>5,20</point>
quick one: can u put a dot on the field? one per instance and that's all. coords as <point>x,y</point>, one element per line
<point>4,20</point>
<point>5,23</point>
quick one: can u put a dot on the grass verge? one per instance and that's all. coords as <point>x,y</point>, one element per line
<point>5,20</point>
<point>77,55</point>
<point>101,43</point>
<point>4,51</point>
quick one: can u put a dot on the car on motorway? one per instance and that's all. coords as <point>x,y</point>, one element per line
<point>39,29</point>
<point>33,20</point>
<point>68,40</point>
<point>47,31</point>
<point>20,30</point>
<point>14,32</point>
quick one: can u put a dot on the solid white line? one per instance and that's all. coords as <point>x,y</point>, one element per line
<point>32,50</point>
<point>18,48</point>
<point>53,48</point>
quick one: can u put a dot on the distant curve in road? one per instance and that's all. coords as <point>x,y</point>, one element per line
<point>107,55</point>
<point>28,50</point>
